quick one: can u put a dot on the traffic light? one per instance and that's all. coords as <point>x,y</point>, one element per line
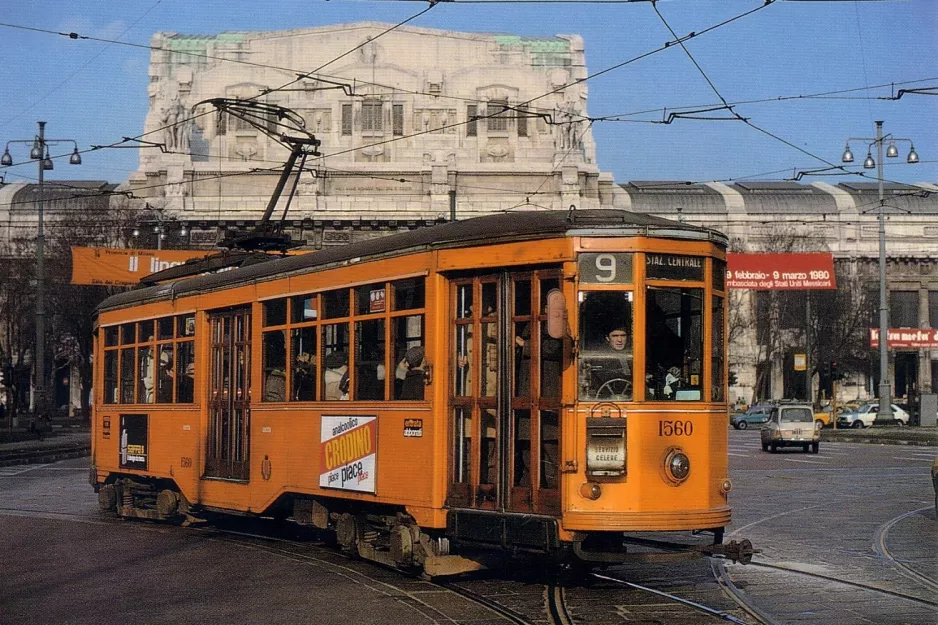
<point>835,371</point>
<point>826,369</point>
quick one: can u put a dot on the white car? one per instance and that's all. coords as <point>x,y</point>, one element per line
<point>864,416</point>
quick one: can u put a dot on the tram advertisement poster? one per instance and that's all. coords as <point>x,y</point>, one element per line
<point>349,450</point>
<point>133,441</point>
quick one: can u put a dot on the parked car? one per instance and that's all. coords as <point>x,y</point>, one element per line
<point>822,419</point>
<point>757,414</point>
<point>864,416</point>
<point>791,425</point>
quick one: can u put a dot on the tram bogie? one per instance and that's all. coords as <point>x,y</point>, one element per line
<point>536,383</point>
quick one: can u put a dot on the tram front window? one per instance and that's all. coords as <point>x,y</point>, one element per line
<point>606,345</point>
<point>674,343</point>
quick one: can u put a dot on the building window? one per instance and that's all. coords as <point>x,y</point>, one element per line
<point>903,309</point>
<point>472,128</point>
<point>371,116</point>
<point>346,120</point>
<point>498,110</point>
<point>397,120</point>
<point>522,122</point>
<point>933,309</point>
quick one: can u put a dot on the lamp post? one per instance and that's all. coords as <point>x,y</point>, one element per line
<point>884,416</point>
<point>40,153</point>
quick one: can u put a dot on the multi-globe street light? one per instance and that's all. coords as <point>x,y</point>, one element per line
<point>40,154</point>
<point>884,416</point>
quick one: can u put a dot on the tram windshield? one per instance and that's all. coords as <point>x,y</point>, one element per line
<point>606,333</point>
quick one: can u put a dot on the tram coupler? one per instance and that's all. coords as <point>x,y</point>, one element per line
<point>735,551</point>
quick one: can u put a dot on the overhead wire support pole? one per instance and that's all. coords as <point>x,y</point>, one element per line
<point>884,416</point>
<point>40,153</point>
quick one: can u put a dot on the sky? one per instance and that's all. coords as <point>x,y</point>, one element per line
<point>95,91</point>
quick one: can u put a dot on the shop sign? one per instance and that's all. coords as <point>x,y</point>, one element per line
<point>906,337</point>
<point>780,272</point>
<point>348,453</point>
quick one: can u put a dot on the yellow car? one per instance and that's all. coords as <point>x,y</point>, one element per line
<point>822,419</point>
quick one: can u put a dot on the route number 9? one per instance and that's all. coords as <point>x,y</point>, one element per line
<point>605,268</point>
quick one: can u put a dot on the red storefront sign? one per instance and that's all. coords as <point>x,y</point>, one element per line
<point>786,272</point>
<point>906,337</point>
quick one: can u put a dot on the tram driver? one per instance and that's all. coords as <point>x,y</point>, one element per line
<point>606,359</point>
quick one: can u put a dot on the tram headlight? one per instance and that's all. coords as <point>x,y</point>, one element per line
<point>591,490</point>
<point>676,465</point>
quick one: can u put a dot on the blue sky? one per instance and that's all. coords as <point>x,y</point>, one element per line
<point>95,92</point>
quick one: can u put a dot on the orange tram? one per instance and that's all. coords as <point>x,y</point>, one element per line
<point>547,382</point>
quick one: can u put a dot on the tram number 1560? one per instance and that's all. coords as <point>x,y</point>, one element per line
<point>675,428</point>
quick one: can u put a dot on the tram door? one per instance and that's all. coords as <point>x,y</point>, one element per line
<point>505,394</point>
<point>228,437</point>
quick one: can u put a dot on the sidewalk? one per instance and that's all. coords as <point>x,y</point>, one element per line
<point>902,435</point>
<point>59,444</point>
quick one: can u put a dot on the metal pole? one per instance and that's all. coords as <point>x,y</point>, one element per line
<point>40,354</point>
<point>884,416</point>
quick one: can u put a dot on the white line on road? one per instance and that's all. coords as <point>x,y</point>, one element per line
<point>924,460</point>
<point>805,461</point>
<point>738,455</point>
<point>11,471</point>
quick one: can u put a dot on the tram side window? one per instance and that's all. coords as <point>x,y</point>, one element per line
<point>274,346</point>
<point>674,336</point>
<point>127,375</point>
<point>303,359</point>
<point>335,349</point>
<point>164,372</point>
<point>110,376</point>
<point>606,332</point>
<point>370,370</point>
<point>716,351</point>
<point>185,372</point>
<point>409,354</point>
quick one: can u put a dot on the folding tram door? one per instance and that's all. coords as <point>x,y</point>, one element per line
<point>505,407</point>
<point>229,420</point>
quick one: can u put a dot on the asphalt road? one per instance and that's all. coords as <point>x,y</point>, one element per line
<point>848,536</point>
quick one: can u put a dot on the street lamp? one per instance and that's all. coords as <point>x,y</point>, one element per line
<point>40,154</point>
<point>884,416</point>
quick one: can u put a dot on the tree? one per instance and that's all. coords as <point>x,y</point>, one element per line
<point>102,223</point>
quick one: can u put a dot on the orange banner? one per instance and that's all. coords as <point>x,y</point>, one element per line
<point>124,267</point>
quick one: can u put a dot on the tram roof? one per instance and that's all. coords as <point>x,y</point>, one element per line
<point>488,229</point>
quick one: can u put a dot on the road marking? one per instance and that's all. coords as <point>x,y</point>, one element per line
<point>17,470</point>
<point>805,461</point>
<point>738,455</point>
<point>925,460</point>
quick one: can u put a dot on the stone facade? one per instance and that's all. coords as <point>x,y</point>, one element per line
<point>404,120</point>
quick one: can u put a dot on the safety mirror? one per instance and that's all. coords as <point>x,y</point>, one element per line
<point>556,314</point>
